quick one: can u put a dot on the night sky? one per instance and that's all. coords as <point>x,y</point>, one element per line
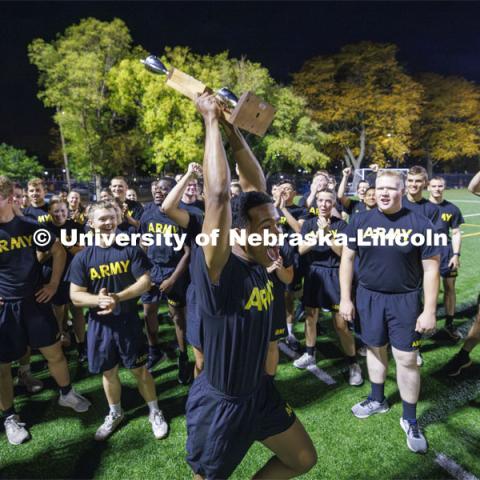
<point>441,37</point>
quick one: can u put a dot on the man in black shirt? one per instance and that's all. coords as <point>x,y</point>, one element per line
<point>388,298</point>
<point>38,209</point>
<point>109,280</point>
<point>26,316</point>
<point>450,219</point>
<point>233,402</point>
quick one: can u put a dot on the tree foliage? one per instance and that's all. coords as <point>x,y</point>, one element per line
<point>450,121</point>
<point>17,164</point>
<point>364,99</point>
<point>73,70</point>
<point>174,131</point>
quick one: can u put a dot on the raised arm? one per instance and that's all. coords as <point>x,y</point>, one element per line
<point>170,205</point>
<point>474,185</point>
<point>250,172</point>
<point>216,177</point>
<point>344,200</point>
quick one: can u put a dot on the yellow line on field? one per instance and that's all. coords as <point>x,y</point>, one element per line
<point>470,225</point>
<point>471,235</point>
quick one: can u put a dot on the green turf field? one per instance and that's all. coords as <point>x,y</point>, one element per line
<point>62,444</point>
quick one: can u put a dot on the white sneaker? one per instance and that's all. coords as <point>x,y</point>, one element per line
<point>362,351</point>
<point>355,375</point>
<point>419,359</point>
<point>109,425</point>
<point>15,430</point>
<point>159,424</point>
<point>31,384</point>
<point>75,401</point>
<point>304,361</point>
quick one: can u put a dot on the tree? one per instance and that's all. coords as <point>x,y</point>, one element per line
<point>173,130</point>
<point>448,128</point>
<point>364,99</point>
<point>17,164</point>
<point>73,71</point>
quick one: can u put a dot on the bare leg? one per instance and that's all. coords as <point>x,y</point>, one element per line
<point>151,321</point>
<point>289,297</point>
<point>25,360</point>
<point>311,317</point>
<point>344,334</point>
<point>6,386</point>
<point>408,375</point>
<point>294,454</point>
<point>178,317</point>
<point>78,323</point>
<point>449,295</point>
<point>112,386</point>
<point>145,383</point>
<point>57,363</point>
<point>198,362</point>
<point>473,337</point>
<point>59,311</point>
<point>377,364</point>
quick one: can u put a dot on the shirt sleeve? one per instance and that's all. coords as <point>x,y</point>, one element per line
<point>351,232</point>
<point>457,218</point>
<point>427,250</point>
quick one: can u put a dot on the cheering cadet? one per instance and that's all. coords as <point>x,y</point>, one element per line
<point>233,402</point>
<point>388,298</point>
<point>26,316</point>
<point>169,280</point>
<point>38,209</point>
<point>132,210</point>
<point>321,288</point>
<point>108,280</point>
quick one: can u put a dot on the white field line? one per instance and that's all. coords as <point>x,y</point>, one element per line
<point>471,215</point>
<point>466,201</point>
<point>322,375</point>
<point>455,470</point>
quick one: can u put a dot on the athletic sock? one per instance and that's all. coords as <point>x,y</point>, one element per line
<point>183,355</point>
<point>378,390</point>
<point>66,390</point>
<point>290,329</point>
<point>8,412</point>
<point>311,351</point>
<point>153,406</point>
<point>24,369</point>
<point>449,320</point>
<point>351,360</point>
<point>80,347</point>
<point>409,411</point>
<point>116,409</point>
<point>463,355</point>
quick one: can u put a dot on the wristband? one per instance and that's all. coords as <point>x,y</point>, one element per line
<point>457,254</point>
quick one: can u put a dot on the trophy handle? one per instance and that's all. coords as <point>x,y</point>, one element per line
<point>154,65</point>
<point>227,97</point>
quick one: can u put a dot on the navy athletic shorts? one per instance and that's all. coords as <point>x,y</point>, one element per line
<point>298,272</point>
<point>194,323</point>
<point>176,297</point>
<point>321,288</point>
<point>388,318</point>
<point>115,340</point>
<point>446,253</point>
<point>25,323</point>
<point>222,428</point>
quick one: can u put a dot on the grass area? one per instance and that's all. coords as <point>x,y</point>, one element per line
<point>63,447</point>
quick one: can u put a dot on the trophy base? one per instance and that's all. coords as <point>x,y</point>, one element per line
<point>251,114</point>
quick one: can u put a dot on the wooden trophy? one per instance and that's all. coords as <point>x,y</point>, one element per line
<point>249,112</point>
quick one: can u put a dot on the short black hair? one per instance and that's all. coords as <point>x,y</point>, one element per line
<point>290,181</point>
<point>171,181</point>
<point>242,203</point>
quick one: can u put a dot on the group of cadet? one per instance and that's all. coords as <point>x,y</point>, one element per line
<point>231,304</point>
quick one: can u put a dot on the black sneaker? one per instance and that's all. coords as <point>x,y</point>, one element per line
<point>452,332</point>
<point>154,357</point>
<point>184,370</point>
<point>455,366</point>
